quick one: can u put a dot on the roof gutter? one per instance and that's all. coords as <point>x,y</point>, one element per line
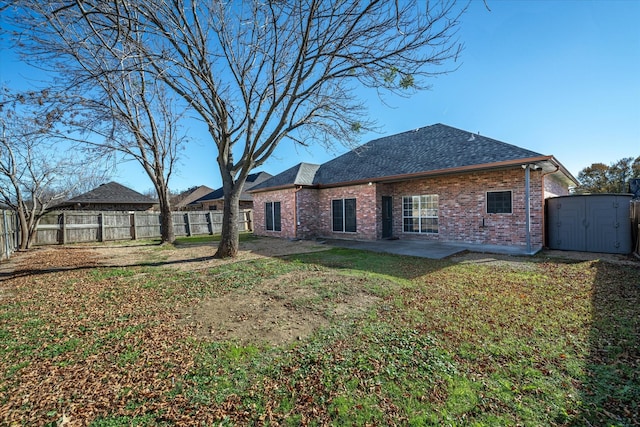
<point>560,168</point>
<point>448,171</point>
<point>281,187</point>
<point>438,172</point>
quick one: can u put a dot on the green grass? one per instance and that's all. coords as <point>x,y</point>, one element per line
<point>193,240</point>
<point>534,342</point>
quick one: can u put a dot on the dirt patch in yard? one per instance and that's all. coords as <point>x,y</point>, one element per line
<point>274,312</point>
<point>282,310</point>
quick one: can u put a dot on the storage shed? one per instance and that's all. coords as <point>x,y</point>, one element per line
<point>590,223</point>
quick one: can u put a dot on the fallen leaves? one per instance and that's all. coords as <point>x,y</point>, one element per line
<point>82,343</point>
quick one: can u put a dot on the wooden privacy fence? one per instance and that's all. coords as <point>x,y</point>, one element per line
<point>9,234</point>
<point>635,225</point>
<point>92,226</point>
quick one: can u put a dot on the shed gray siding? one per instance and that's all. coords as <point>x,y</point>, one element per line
<point>590,223</point>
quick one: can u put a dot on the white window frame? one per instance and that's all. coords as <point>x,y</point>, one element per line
<point>424,205</point>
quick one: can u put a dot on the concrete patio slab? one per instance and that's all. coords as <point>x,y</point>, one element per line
<point>424,249</point>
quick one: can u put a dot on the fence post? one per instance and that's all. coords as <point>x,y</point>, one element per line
<point>133,226</point>
<point>64,227</point>
<point>16,231</point>
<point>101,222</point>
<point>6,234</point>
<point>209,222</point>
<point>250,220</point>
<point>187,219</point>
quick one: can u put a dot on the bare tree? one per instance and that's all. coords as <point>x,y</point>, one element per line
<point>34,173</point>
<point>110,96</point>
<point>258,72</point>
<point>138,118</point>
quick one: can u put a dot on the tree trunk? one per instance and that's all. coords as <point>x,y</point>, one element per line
<point>229,238</point>
<point>24,231</point>
<point>32,234</point>
<point>167,233</point>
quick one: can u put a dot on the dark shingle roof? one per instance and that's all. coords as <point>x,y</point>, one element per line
<point>300,174</point>
<point>111,192</point>
<point>433,148</point>
<point>252,180</point>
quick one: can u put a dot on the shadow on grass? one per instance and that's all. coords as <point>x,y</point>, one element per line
<point>181,242</point>
<point>400,266</point>
<point>611,390</point>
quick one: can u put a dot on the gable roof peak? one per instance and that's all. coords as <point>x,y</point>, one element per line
<point>112,192</point>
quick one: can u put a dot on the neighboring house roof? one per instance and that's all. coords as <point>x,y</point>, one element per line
<point>431,150</point>
<point>187,197</point>
<point>112,193</point>
<point>252,180</point>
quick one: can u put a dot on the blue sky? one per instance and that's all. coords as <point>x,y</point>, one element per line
<point>555,77</point>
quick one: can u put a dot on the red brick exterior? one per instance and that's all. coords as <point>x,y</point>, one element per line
<point>554,187</point>
<point>287,200</point>
<point>462,214</point>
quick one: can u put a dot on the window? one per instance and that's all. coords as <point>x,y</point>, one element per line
<point>272,216</point>
<point>499,202</point>
<point>420,214</point>
<point>344,215</point>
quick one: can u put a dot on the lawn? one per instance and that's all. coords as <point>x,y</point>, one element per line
<point>332,337</point>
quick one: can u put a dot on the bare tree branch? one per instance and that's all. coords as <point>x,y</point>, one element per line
<point>34,173</point>
<point>256,73</point>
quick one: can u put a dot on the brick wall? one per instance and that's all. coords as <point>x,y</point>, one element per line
<point>308,213</point>
<point>313,215</point>
<point>366,211</point>
<point>287,213</point>
<point>462,207</point>
<point>553,187</point>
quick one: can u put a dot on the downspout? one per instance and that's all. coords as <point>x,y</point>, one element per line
<point>527,208</point>
<point>295,211</point>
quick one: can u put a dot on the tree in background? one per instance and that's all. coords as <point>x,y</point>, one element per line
<point>109,96</point>
<point>600,178</point>
<point>254,72</point>
<point>138,118</point>
<point>35,174</point>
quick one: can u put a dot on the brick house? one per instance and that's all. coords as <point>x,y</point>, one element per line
<point>433,183</point>
<point>214,200</point>
<point>184,200</point>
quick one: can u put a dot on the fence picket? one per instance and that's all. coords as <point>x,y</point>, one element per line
<point>9,234</point>
<point>97,226</point>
